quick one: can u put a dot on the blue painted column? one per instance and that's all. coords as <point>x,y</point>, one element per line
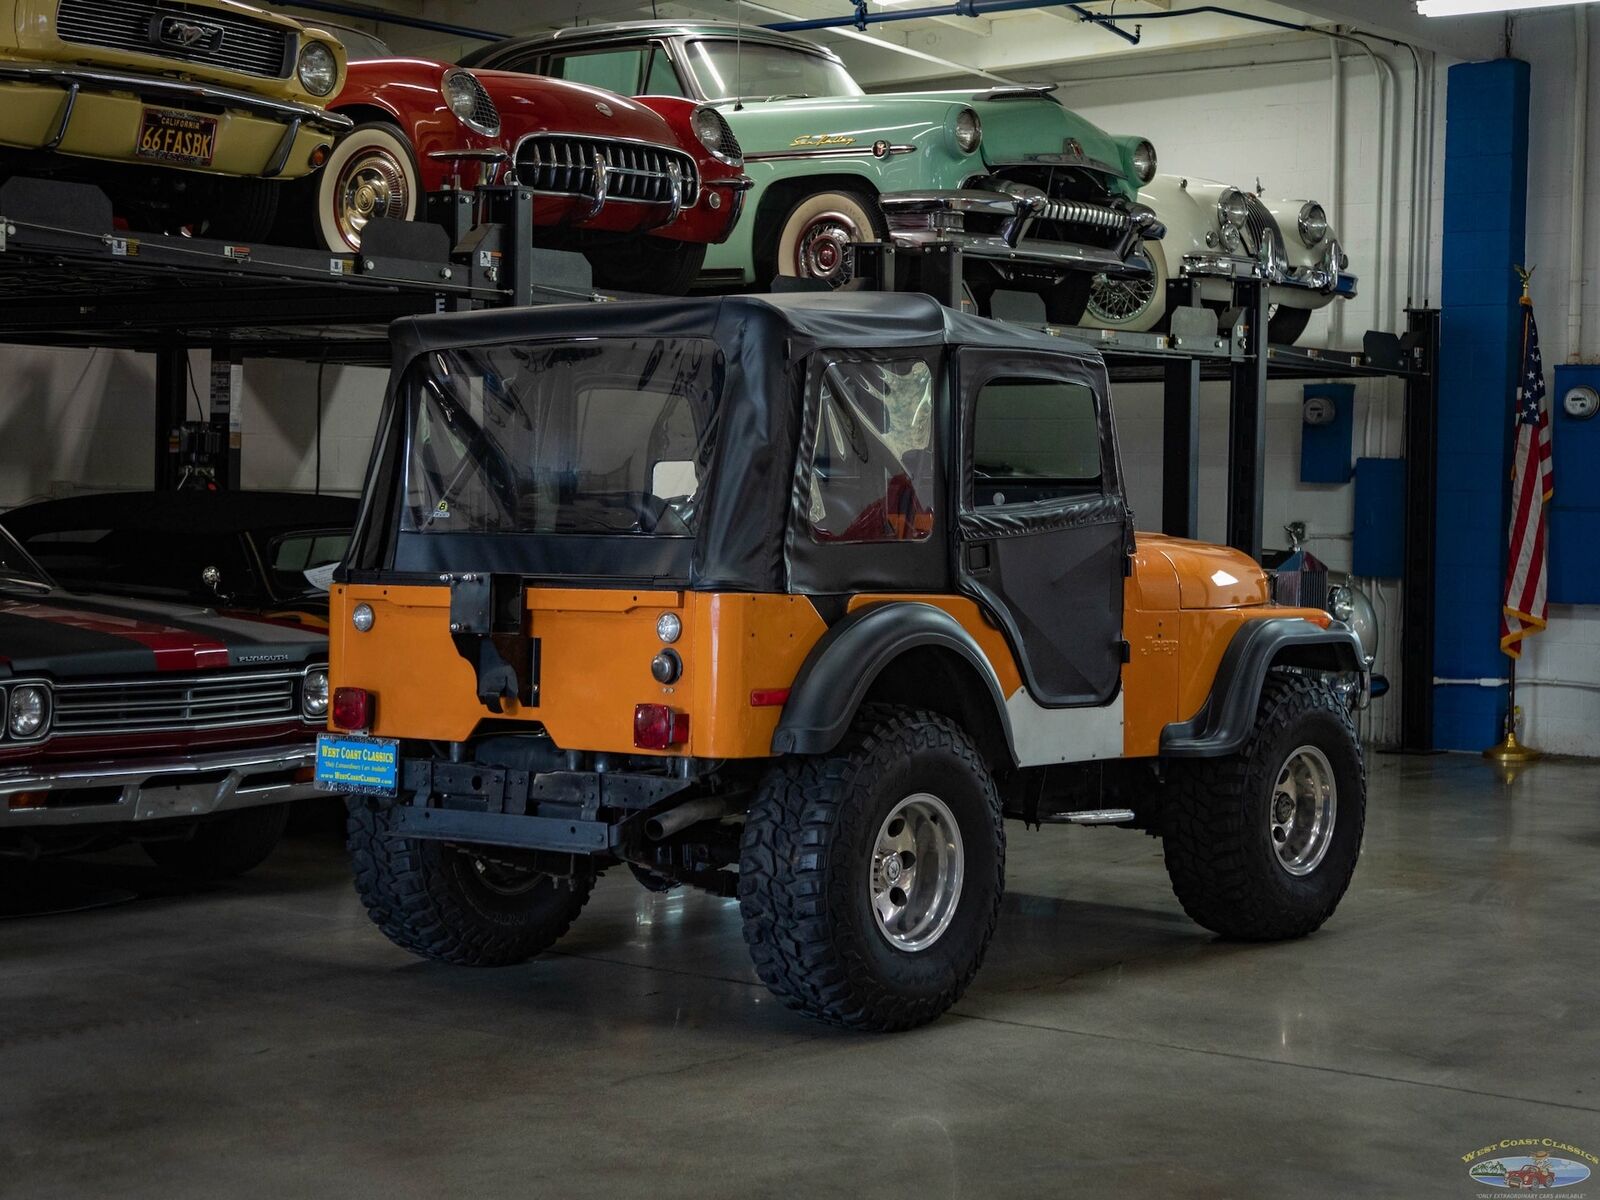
<point>1485,219</point>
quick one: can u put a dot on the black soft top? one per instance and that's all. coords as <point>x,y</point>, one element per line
<point>750,486</point>
<point>808,320</point>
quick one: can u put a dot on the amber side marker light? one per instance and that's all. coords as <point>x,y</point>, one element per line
<point>27,799</point>
<point>657,727</point>
<point>320,155</point>
<point>352,708</point>
<point>769,697</point>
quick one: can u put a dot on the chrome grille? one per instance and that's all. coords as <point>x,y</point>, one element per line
<point>1260,227</point>
<point>1096,216</point>
<point>183,702</point>
<point>564,165</point>
<point>249,46</point>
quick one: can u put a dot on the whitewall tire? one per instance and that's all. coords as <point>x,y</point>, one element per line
<point>371,173</point>
<point>814,239</point>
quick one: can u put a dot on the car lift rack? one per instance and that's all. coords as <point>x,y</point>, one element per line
<point>70,278</point>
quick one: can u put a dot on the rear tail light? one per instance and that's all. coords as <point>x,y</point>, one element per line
<point>657,727</point>
<point>352,708</point>
<point>769,697</point>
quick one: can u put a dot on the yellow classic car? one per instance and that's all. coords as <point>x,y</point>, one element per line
<point>188,113</point>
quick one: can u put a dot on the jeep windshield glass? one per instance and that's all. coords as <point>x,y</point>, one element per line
<point>17,568</point>
<point>599,436</point>
<point>727,71</point>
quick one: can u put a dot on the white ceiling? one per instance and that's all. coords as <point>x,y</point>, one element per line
<point>1021,45</point>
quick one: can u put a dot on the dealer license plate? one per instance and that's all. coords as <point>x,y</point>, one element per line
<point>170,136</point>
<point>358,764</point>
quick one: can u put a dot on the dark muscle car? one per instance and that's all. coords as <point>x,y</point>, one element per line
<point>238,552</point>
<point>170,724</point>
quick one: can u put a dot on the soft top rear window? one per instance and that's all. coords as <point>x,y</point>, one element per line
<point>598,436</point>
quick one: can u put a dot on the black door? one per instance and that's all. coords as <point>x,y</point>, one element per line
<point>1045,535</point>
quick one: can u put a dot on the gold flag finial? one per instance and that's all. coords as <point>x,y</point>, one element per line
<point>1525,274</point>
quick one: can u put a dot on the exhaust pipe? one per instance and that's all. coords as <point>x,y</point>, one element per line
<point>691,812</point>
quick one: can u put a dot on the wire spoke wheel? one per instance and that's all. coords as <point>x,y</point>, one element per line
<point>917,869</point>
<point>1305,804</point>
<point>823,249</point>
<point>1118,300</point>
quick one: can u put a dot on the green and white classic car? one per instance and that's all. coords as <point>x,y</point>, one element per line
<point>1039,199</point>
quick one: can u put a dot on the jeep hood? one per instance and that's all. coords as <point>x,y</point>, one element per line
<point>1209,576</point>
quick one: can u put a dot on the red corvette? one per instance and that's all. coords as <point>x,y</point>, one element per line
<point>640,186</point>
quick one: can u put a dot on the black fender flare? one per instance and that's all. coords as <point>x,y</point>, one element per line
<point>1229,713</point>
<point>840,670</point>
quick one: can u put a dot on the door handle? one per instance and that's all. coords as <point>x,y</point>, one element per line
<point>978,558</point>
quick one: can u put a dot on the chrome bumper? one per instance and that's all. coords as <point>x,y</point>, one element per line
<point>156,789</point>
<point>1328,278</point>
<point>918,219</point>
<point>94,79</point>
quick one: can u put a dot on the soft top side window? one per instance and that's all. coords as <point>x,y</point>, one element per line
<point>872,461</point>
<point>1034,440</point>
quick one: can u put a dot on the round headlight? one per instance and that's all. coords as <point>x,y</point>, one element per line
<point>716,135</point>
<point>668,627</point>
<point>1230,237</point>
<point>969,130</point>
<point>1313,224</point>
<point>1341,603</point>
<point>318,69</point>
<point>1233,210</point>
<point>471,104</point>
<point>666,667</point>
<point>1144,162</point>
<point>314,697</point>
<point>30,709</point>
<point>361,617</point>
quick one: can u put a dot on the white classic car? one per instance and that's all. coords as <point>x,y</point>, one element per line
<point>1216,233</point>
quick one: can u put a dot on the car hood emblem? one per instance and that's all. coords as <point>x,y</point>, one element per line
<point>187,35</point>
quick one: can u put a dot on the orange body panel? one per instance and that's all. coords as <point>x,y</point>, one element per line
<point>595,651</point>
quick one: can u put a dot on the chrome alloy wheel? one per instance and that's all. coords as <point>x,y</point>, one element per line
<point>917,869</point>
<point>1305,802</point>
<point>1115,300</point>
<point>822,250</point>
<point>371,184</point>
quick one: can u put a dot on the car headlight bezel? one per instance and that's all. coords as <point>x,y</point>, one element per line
<point>1145,162</point>
<point>1313,223</point>
<point>1341,603</point>
<point>1230,237</point>
<point>1232,209</point>
<point>363,618</point>
<point>317,68</point>
<point>462,96</point>
<point>713,132</point>
<point>968,130</point>
<point>36,698</point>
<point>314,684</point>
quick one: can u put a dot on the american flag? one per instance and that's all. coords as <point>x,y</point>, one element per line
<point>1526,608</point>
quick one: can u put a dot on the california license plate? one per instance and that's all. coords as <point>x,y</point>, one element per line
<point>358,764</point>
<point>182,138</point>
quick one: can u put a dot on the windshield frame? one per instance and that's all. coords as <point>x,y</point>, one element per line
<point>691,53</point>
<point>40,577</point>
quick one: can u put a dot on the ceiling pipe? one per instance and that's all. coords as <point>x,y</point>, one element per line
<point>1580,174</point>
<point>861,18</point>
<point>893,47</point>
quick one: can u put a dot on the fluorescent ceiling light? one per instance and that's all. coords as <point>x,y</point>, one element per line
<point>1463,8</point>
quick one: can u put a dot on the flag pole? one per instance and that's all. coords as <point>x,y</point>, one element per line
<point>1508,750</point>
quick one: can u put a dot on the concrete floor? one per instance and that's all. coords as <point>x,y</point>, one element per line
<point>263,1040</point>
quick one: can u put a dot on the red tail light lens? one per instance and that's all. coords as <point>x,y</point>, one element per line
<point>657,727</point>
<point>769,697</point>
<point>352,708</point>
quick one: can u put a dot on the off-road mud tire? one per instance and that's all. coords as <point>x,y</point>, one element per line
<point>222,846</point>
<point>1217,838</point>
<point>426,897</point>
<point>804,863</point>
